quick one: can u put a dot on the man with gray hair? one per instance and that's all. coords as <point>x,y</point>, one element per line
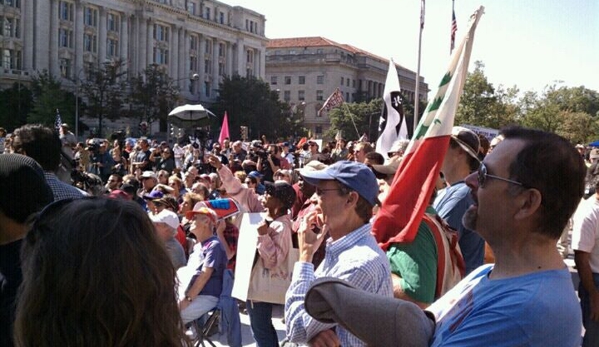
<point>166,223</point>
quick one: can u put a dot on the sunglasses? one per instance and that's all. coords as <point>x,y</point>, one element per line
<point>483,175</point>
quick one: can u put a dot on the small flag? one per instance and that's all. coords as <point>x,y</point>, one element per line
<point>339,135</point>
<point>58,121</point>
<point>392,125</point>
<point>224,130</point>
<point>422,14</point>
<point>413,184</point>
<point>454,28</point>
<point>335,100</point>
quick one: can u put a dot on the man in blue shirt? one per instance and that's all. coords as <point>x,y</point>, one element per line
<point>346,192</point>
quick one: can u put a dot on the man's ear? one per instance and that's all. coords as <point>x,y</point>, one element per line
<point>529,203</point>
<point>352,198</point>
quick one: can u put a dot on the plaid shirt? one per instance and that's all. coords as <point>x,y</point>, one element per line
<point>61,190</point>
<point>356,258</point>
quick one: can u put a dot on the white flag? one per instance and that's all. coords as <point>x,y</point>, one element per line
<point>392,125</point>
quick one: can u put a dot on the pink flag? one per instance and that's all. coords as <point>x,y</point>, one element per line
<point>224,130</point>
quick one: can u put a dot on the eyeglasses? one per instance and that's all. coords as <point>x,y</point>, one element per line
<point>321,191</point>
<point>483,175</point>
<point>248,182</point>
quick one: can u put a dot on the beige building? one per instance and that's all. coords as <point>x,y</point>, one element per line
<point>186,37</point>
<point>307,70</point>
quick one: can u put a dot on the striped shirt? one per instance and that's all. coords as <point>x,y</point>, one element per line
<point>61,190</point>
<point>356,258</point>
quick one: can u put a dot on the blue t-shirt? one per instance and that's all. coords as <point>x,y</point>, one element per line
<point>451,204</point>
<point>215,257</point>
<point>537,309</point>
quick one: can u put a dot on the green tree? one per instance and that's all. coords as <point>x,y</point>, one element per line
<point>49,96</point>
<point>103,90</point>
<point>355,119</point>
<point>249,101</point>
<point>578,127</point>
<point>153,95</point>
<point>16,102</point>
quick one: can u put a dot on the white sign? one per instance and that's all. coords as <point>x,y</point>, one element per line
<point>489,133</point>
<point>246,251</point>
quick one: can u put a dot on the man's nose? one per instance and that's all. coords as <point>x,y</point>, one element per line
<point>472,181</point>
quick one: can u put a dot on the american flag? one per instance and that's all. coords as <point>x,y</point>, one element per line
<point>422,14</point>
<point>335,100</point>
<point>58,121</point>
<point>454,28</point>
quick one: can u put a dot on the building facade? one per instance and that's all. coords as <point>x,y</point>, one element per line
<point>307,70</point>
<point>185,37</point>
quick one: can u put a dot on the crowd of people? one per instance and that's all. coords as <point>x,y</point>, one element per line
<point>135,243</point>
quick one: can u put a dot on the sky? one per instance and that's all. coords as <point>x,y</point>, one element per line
<point>528,43</point>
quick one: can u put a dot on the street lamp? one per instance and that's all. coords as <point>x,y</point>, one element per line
<point>77,102</point>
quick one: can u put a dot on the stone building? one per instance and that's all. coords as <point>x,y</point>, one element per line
<point>306,70</point>
<point>186,37</point>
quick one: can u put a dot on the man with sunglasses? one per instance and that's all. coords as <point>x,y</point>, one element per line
<point>452,202</point>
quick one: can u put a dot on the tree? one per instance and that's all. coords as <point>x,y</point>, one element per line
<point>153,95</point>
<point>578,127</point>
<point>249,101</point>
<point>48,96</point>
<point>355,119</point>
<point>103,89</point>
<point>16,102</point>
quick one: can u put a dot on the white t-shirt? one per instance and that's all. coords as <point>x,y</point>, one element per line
<point>585,231</point>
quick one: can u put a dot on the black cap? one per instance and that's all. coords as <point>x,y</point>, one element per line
<point>23,187</point>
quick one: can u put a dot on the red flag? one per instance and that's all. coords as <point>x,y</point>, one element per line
<point>413,184</point>
<point>224,130</point>
<point>335,100</point>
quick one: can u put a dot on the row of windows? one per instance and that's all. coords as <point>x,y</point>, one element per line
<point>10,27</point>
<point>90,42</point>
<point>192,9</point>
<point>90,16</point>
<point>353,82</point>
<point>11,58</point>
<point>294,51</point>
<point>300,80</point>
<point>301,95</point>
<point>251,26</point>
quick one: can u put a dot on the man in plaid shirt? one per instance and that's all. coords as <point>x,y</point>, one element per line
<point>346,192</point>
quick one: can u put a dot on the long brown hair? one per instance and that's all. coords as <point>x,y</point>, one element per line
<point>95,274</point>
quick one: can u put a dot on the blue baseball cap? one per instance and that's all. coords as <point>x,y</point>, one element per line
<point>356,176</point>
<point>255,174</point>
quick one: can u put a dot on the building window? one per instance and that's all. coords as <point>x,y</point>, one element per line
<point>353,83</point>
<point>301,95</point>
<point>222,18</point>
<point>160,56</point>
<point>347,82</point>
<point>249,72</point>
<point>11,3</point>
<point>347,97</point>
<point>319,95</point>
<point>318,129</point>
<point>341,80</point>
<point>319,51</point>
<point>287,79</point>
<point>301,80</point>
<point>193,63</point>
<point>112,48</point>
<point>292,51</point>
<point>320,79</point>
<point>65,11</point>
<point>273,80</point>
<point>222,49</point>
<point>207,89</point>
<point>207,13</point>
<point>11,59</point>
<point>65,68</point>
<point>221,69</point>
<point>160,32</point>
<point>90,43</point>
<point>90,17</point>
<point>10,27</point>
<point>191,8</point>
<point>250,56</point>
<point>287,96</point>
<point>193,42</point>
<point>65,38</point>
<point>113,22</point>
<point>208,47</point>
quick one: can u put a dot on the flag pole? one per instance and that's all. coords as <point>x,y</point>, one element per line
<point>352,119</point>
<point>417,89</point>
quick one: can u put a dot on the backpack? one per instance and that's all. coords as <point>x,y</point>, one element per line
<point>451,267</point>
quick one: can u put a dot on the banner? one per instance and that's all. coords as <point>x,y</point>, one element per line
<point>392,125</point>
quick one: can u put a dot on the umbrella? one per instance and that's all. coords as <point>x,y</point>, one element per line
<point>190,115</point>
<point>594,144</point>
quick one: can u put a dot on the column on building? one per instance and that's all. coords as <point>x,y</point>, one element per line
<point>183,60</point>
<point>201,66</point>
<point>52,62</point>
<point>262,56</point>
<point>150,43</point>
<point>78,32</point>
<point>240,66</point>
<point>140,48</point>
<point>229,66</point>
<point>102,35</point>
<point>124,41</point>
<point>27,9</point>
<point>173,52</point>
<point>215,62</point>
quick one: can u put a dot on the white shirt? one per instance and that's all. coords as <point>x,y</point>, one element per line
<point>585,231</point>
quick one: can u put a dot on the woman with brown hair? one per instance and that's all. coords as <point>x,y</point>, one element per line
<point>95,274</point>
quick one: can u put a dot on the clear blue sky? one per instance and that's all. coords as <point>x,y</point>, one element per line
<point>528,43</point>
